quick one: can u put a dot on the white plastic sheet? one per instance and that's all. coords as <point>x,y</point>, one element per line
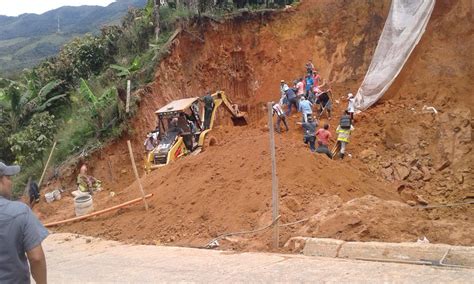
<point>403,29</point>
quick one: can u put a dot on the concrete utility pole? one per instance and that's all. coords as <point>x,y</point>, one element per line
<point>275,194</point>
<point>127,103</point>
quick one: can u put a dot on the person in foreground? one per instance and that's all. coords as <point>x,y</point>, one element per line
<point>21,235</point>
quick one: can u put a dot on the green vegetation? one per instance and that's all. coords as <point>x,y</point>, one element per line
<point>77,97</point>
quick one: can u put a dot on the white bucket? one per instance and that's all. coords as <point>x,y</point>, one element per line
<point>83,205</point>
<point>57,194</point>
<point>49,197</point>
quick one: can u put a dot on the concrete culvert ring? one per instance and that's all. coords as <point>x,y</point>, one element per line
<point>212,141</point>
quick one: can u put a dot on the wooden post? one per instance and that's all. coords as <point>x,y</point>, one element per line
<point>47,164</point>
<point>97,212</point>
<point>275,194</point>
<point>136,174</point>
<point>127,104</point>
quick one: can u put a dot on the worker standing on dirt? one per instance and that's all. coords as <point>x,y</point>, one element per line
<point>283,87</point>
<point>208,108</point>
<point>323,136</point>
<point>309,137</point>
<point>306,108</point>
<point>325,104</point>
<point>316,79</point>
<point>351,106</point>
<point>308,85</point>
<point>278,110</point>
<point>21,235</point>
<point>33,192</point>
<point>292,100</point>
<point>309,67</point>
<point>343,131</point>
<point>300,88</point>
<point>86,184</point>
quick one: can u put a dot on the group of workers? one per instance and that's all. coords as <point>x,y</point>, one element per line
<point>303,96</point>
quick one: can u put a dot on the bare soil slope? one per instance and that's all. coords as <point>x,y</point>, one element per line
<point>401,156</point>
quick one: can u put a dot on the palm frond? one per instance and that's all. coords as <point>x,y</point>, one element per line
<point>122,70</point>
<point>48,103</point>
<point>86,92</point>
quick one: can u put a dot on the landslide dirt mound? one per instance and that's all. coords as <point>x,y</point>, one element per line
<point>401,156</point>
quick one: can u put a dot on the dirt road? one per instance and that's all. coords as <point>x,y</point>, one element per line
<point>78,259</point>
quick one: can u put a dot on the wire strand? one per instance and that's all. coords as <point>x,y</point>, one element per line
<point>444,205</point>
<point>256,230</point>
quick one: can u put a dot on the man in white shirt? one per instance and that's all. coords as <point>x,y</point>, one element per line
<point>351,105</point>
<point>280,116</point>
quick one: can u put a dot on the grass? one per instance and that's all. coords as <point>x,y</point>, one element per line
<point>170,16</point>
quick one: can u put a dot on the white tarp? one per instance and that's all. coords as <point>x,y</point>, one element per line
<point>403,29</point>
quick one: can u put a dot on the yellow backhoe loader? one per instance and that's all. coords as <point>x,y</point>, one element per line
<point>181,128</point>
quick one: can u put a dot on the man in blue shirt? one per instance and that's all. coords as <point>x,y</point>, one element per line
<point>306,108</point>
<point>309,85</point>
<point>21,234</point>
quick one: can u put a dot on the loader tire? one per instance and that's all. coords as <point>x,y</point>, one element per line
<point>209,141</point>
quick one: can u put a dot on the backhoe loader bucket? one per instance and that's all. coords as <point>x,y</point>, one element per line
<point>240,119</point>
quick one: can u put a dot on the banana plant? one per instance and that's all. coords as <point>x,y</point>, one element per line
<point>98,105</point>
<point>20,102</point>
<point>127,71</point>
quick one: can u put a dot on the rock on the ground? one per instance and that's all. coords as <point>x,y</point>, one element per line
<point>401,171</point>
<point>368,155</point>
<point>444,165</point>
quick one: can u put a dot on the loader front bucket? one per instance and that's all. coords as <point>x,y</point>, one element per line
<point>240,119</point>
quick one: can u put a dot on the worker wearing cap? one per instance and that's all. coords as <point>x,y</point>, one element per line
<point>21,235</point>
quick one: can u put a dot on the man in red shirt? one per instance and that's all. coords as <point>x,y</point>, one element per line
<point>323,136</point>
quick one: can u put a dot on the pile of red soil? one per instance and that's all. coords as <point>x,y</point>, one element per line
<point>402,157</point>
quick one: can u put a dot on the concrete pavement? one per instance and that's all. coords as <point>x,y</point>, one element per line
<point>78,259</point>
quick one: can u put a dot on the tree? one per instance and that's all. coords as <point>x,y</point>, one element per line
<point>30,143</point>
<point>20,102</point>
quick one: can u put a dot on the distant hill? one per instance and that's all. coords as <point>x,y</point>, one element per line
<point>27,39</point>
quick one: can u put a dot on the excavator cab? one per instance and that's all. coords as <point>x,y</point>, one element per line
<point>181,128</point>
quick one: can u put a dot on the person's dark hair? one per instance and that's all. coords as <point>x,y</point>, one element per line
<point>346,112</point>
<point>326,126</point>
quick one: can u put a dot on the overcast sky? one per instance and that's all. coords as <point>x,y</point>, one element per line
<point>17,7</point>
